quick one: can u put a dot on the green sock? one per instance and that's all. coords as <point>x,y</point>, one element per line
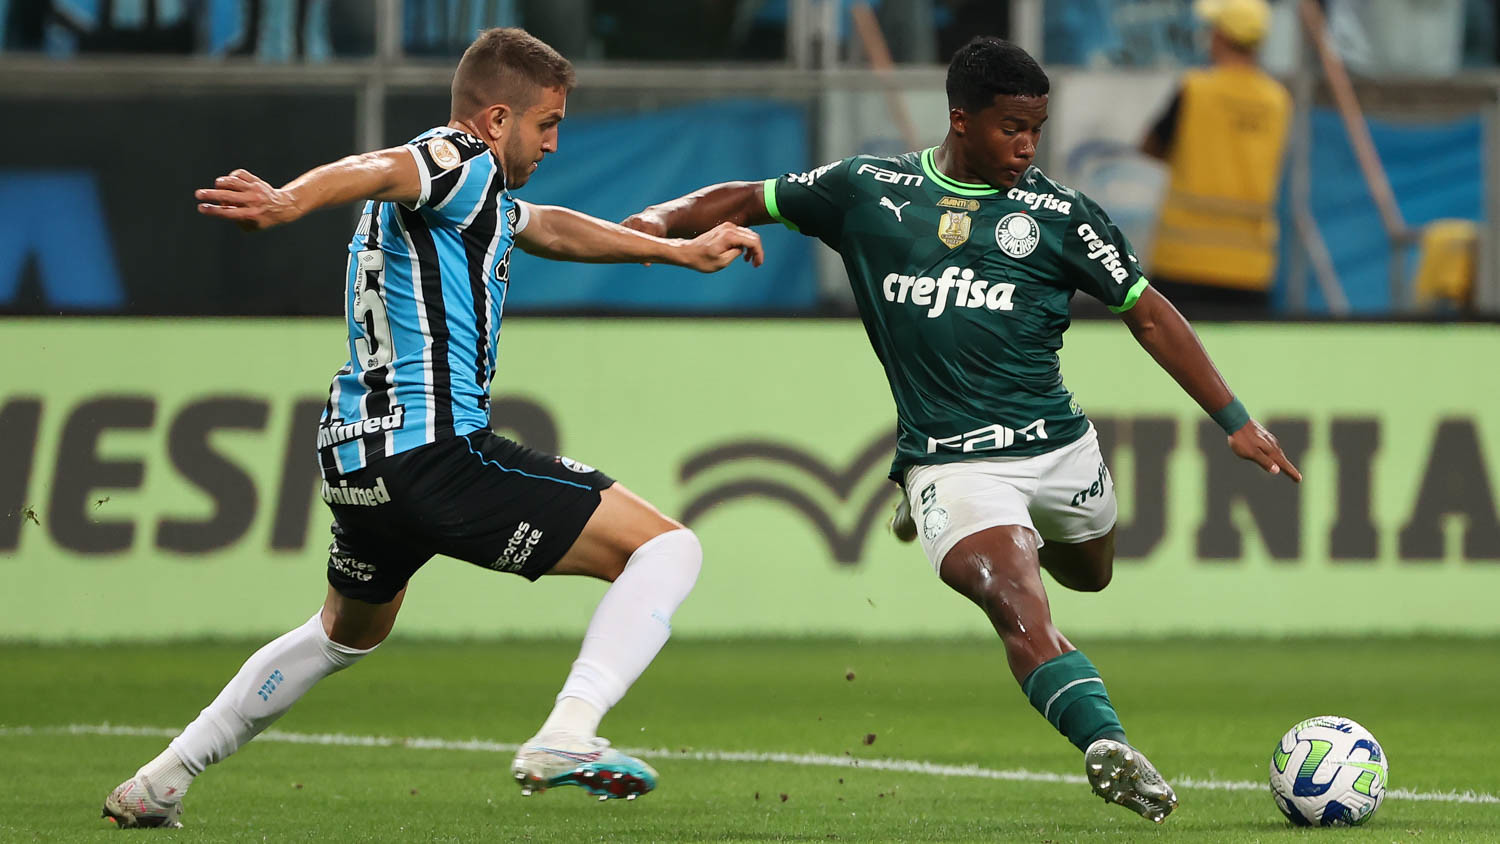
<point>1069,694</point>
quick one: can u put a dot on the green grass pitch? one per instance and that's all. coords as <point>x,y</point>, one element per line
<point>1207,712</point>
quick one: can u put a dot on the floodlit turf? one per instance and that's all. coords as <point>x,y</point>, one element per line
<point>1210,710</point>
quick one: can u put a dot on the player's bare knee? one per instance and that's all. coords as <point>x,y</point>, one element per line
<point>974,577</point>
<point>359,635</point>
<point>1003,616</point>
<point>354,624</point>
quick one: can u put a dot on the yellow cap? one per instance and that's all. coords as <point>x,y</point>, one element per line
<point>1243,22</point>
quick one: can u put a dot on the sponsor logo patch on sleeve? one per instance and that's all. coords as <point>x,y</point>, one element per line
<point>444,153</point>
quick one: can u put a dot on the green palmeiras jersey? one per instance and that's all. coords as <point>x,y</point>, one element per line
<point>964,290</point>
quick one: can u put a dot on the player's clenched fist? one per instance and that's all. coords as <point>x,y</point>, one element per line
<point>248,200</point>
<point>716,248</point>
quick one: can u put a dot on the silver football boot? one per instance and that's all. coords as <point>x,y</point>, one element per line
<point>135,803</point>
<point>587,762</point>
<point>1121,774</point>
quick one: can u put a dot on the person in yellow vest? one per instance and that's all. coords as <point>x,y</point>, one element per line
<point>1222,137</point>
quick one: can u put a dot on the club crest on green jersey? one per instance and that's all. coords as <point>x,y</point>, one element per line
<point>953,228</point>
<point>1017,234</point>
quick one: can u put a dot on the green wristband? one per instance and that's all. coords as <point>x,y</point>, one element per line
<point>1232,416</point>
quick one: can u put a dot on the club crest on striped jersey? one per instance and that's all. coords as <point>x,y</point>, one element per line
<point>1017,234</point>
<point>953,228</point>
<point>444,153</point>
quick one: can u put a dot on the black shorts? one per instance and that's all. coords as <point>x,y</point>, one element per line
<point>479,498</point>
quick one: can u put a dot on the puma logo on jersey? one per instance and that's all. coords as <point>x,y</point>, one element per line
<point>932,293</point>
<point>885,202</point>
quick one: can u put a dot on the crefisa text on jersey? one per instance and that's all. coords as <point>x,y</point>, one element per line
<point>1107,254</point>
<point>1040,201</point>
<point>932,293</point>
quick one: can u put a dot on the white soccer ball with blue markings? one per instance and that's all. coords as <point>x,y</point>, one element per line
<point>1328,771</point>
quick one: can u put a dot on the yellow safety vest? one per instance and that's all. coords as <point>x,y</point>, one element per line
<point>1218,220</point>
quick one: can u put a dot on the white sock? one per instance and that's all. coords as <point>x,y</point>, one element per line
<point>631,624</point>
<point>267,685</point>
<point>168,775</point>
<point>573,716</point>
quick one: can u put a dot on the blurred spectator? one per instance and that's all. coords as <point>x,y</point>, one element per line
<point>1480,43</point>
<point>291,30</point>
<point>1222,138</point>
<point>1119,33</point>
<point>102,26</point>
<point>930,31</point>
<point>25,25</point>
<point>758,30</point>
<point>447,27</point>
<point>910,30</point>
<point>270,30</point>
<point>1398,37</point>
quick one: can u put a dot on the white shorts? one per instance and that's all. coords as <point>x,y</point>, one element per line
<point>1065,496</point>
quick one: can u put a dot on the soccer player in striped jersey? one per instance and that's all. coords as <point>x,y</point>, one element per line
<point>963,259</point>
<point>410,466</point>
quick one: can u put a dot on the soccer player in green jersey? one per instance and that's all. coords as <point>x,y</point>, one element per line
<point>963,259</point>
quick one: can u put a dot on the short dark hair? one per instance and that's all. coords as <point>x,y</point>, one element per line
<point>988,67</point>
<point>507,65</point>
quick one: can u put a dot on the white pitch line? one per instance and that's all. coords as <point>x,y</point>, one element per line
<point>816,760</point>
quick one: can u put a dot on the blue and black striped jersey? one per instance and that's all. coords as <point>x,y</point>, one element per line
<point>425,289</point>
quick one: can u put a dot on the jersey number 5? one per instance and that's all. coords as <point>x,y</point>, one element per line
<point>374,348</point>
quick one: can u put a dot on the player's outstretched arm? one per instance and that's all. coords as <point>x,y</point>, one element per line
<point>741,203</point>
<point>1166,335</point>
<point>388,175</point>
<point>566,235</point>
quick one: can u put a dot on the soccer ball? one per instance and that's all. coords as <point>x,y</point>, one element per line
<point>1328,771</point>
